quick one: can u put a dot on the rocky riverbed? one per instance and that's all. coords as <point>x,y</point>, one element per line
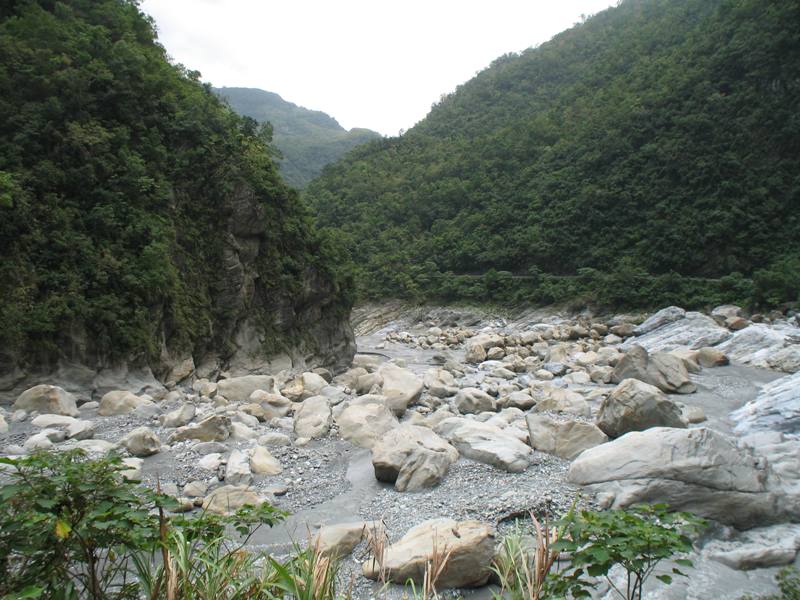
<point>479,418</point>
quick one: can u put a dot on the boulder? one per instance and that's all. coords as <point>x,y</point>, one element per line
<point>313,418</point>
<point>786,359</point>
<point>45,421</point>
<point>694,330</point>
<point>659,319</point>
<point>400,386</point>
<point>263,463</point>
<point>141,442</point>
<point>363,425</point>
<point>663,370</point>
<point>367,382</point>
<point>179,417</point>
<point>697,470</point>
<point>216,428</point>
<point>565,439</point>
<point>475,354</point>
<point>776,408</point>
<point>760,548</point>
<point>237,470</point>
<point>228,499</point>
<point>48,399</point>
<point>119,402</point>
<point>440,383</point>
<point>486,443</point>
<point>470,545</point>
<point>338,541</point>
<point>473,400</point>
<point>273,405</point>
<point>239,389</point>
<point>635,406</point>
<point>412,458</point>
<point>520,399</point>
<point>711,357</point>
<point>564,401</point>
<point>3,425</point>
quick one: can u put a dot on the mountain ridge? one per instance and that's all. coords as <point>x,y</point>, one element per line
<point>306,139</point>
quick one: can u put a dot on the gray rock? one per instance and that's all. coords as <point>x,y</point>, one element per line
<point>486,443</point>
<point>663,370</point>
<point>412,458</point>
<point>216,428</point>
<point>179,417</point>
<point>565,439</point>
<point>693,331</point>
<point>338,541</point>
<point>473,400</point>
<point>48,399</point>
<point>239,389</point>
<point>119,402</point>
<point>363,425</point>
<point>237,470</point>
<point>313,418</point>
<point>229,498</point>
<point>141,442</point>
<point>400,386</point>
<point>776,408</point>
<point>697,470</point>
<point>564,401</point>
<point>635,406</point>
<point>663,317</point>
<point>470,544</point>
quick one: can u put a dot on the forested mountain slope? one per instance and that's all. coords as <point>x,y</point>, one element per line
<point>306,139</point>
<point>141,220</point>
<point>650,154</point>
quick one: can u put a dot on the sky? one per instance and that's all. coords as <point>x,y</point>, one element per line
<point>378,64</point>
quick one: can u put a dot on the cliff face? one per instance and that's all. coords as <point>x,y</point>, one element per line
<point>145,233</point>
<point>258,327</point>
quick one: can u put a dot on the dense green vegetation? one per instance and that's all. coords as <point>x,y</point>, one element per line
<point>306,139</point>
<point>649,155</point>
<point>120,175</point>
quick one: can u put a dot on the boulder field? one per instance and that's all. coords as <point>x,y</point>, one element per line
<point>449,422</point>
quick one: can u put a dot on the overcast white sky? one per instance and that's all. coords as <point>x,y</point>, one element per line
<point>369,63</point>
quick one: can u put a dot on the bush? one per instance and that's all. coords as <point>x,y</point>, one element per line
<point>72,527</point>
<point>637,539</point>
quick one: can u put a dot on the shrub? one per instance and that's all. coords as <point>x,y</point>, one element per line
<point>637,539</point>
<point>72,527</point>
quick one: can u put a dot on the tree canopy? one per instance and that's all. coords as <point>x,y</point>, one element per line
<point>650,154</point>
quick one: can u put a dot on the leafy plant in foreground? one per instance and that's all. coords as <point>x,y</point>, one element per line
<point>637,539</point>
<point>71,527</point>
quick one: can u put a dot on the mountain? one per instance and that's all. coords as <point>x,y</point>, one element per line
<point>143,224</point>
<point>648,155</point>
<point>307,139</point>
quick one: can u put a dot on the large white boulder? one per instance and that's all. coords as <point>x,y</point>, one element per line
<point>698,470</point>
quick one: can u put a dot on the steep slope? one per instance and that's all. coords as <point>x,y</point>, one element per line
<point>648,155</point>
<point>307,139</point>
<point>142,222</point>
